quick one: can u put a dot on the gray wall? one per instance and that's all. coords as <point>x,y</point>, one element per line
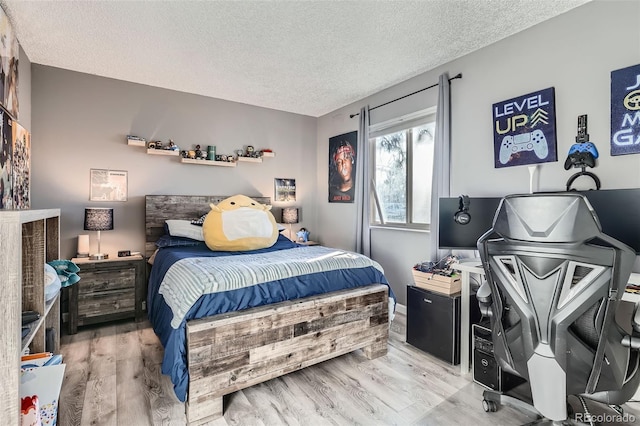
<point>574,52</point>
<point>80,122</point>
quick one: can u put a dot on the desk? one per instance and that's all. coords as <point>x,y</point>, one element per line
<point>474,266</point>
<point>467,267</point>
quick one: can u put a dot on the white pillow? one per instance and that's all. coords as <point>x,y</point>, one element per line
<point>184,228</point>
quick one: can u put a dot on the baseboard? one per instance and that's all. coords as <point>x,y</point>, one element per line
<point>401,309</point>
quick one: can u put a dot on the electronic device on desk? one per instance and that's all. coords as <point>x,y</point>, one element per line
<point>486,370</point>
<point>617,213</point>
<point>477,214</point>
<point>615,209</point>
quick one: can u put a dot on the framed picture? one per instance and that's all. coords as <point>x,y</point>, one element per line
<point>524,129</point>
<point>108,185</point>
<point>285,189</point>
<point>625,111</point>
<point>21,166</point>
<point>9,51</point>
<point>342,167</point>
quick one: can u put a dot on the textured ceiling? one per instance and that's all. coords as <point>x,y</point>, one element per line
<point>306,57</point>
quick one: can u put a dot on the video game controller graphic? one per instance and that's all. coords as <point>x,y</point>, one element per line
<point>534,141</point>
<point>584,147</point>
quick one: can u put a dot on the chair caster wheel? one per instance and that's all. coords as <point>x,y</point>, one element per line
<point>489,406</point>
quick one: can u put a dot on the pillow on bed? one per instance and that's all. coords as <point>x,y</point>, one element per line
<point>170,241</point>
<point>184,228</point>
<point>239,223</point>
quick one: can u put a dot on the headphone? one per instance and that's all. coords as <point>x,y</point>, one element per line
<point>462,216</point>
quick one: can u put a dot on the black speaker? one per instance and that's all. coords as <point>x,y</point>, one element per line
<point>462,216</point>
<point>486,370</point>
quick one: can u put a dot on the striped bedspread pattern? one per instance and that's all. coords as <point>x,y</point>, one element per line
<point>188,279</point>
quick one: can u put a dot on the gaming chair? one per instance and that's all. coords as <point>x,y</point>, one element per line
<point>554,284</point>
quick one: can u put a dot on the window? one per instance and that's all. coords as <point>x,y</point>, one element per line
<point>403,167</point>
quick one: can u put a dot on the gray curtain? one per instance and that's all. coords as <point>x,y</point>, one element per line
<point>363,187</point>
<point>441,161</point>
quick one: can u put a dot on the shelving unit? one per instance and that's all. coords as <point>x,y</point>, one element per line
<point>166,152</point>
<point>208,162</point>
<point>28,239</point>
<point>163,152</point>
<point>249,160</point>
<point>136,142</point>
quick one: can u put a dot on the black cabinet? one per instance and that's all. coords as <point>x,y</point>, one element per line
<point>433,322</point>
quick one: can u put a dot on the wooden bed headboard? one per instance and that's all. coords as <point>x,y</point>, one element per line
<point>159,208</point>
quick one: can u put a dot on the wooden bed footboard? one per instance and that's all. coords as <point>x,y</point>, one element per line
<point>229,352</point>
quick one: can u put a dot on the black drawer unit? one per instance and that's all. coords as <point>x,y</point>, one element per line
<point>433,322</point>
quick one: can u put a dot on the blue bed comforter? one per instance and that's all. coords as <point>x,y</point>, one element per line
<point>174,339</point>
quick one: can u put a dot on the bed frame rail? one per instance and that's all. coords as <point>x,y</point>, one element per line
<point>229,352</point>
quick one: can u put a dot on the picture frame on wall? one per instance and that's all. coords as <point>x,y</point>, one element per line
<point>108,185</point>
<point>625,111</point>
<point>9,51</point>
<point>284,189</point>
<point>524,129</point>
<point>342,167</point>
<point>21,166</point>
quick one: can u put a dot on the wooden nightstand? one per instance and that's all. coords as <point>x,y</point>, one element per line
<point>108,290</point>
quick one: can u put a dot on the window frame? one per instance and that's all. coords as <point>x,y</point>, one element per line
<point>403,123</point>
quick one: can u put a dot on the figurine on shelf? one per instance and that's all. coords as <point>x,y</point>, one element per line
<point>249,152</point>
<point>172,146</point>
<point>192,155</point>
<point>199,154</point>
<point>184,154</point>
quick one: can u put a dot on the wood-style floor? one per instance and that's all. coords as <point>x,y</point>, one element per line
<point>113,378</point>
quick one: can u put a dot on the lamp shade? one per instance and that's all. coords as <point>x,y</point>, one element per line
<point>98,219</point>
<point>289,215</point>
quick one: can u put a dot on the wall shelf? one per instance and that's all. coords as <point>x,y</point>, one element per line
<point>136,142</point>
<point>163,152</point>
<point>268,154</point>
<point>208,162</point>
<point>249,160</point>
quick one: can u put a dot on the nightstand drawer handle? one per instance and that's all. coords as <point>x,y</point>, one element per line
<point>427,300</point>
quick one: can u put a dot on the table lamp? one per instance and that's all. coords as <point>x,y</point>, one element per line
<point>98,219</point>
<point>289,216</point>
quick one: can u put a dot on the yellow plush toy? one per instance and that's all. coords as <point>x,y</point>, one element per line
<point>239,223</point>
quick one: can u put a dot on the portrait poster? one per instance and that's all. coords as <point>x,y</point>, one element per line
<point>6,154</point>
<point>9,50</point>
<point>108,185</point>
<point>21,166</point>
<point>285,189</point>
<point>524,130</point>
<point>625,111</point>
<point>342,167</point>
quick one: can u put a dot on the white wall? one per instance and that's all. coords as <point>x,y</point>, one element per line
<point>574,52</point>
<point>80,122</point>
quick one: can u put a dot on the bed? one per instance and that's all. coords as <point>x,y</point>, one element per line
<point>235,338</point>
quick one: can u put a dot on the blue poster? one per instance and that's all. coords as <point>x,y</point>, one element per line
<point>625,111</point>
<point>524,129</point>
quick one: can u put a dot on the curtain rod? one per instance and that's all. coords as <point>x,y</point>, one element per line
<point>405,96</point>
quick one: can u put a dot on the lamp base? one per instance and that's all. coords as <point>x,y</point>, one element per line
<point>99,256</point>
<point>82,255</point>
